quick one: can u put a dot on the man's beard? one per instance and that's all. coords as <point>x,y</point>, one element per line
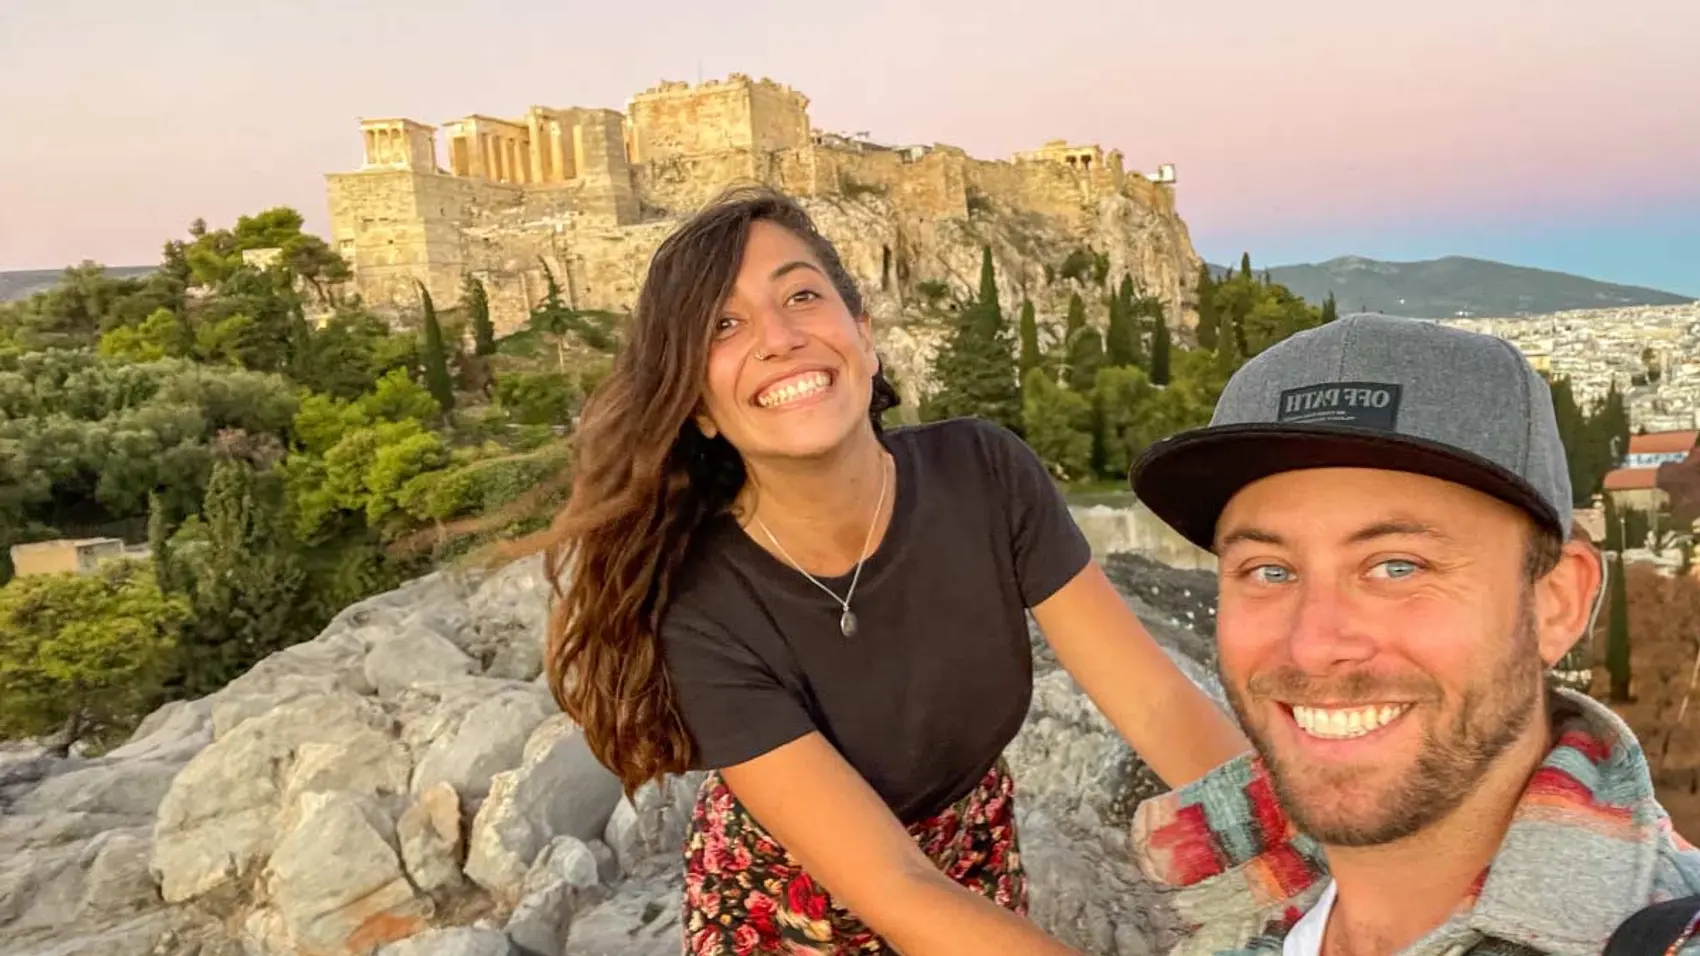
<point>1492,714</point>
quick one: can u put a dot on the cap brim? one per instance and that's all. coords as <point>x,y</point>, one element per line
<point>1187,479</point>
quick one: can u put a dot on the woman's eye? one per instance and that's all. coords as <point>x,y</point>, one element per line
<point>724,324</point>
<point>801,294</point>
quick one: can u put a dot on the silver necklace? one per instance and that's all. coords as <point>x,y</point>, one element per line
<point>846,621</point>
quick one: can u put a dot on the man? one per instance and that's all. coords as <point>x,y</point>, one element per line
<point>1390,507</point>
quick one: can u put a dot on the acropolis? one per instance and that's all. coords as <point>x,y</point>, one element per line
<point>590,192</point>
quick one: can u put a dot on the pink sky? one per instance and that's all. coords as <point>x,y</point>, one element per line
<point>1299,129</point>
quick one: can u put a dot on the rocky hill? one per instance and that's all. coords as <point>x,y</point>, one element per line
<point>22,283</point>
<point>403,784</point>
<point>1457,286</point>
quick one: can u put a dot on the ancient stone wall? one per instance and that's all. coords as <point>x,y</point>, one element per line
<point>591,192</point>
<point>678,184</point>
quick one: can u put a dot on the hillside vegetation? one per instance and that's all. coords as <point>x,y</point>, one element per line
<point>280,470</point>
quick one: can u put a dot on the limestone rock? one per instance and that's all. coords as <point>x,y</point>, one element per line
<point>560,789</point>
<point>172,734</point>
<point>477,729</point>
<point>647,832</point>
<point>553,891</point>
<point>119,880</point>
<point>459,941</point>
<point>122,788</point>
<point>303,672</point>
<point>416,657</point>
<point>336,880</point>
<point>367,761</point>
<point>217,822</point>
<point>431,840</point>
<point>643,920</point>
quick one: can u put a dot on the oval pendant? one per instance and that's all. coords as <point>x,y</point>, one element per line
<point>847,623</point>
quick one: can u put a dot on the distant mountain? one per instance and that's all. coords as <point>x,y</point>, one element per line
<point>25,283</point>
<point>1453,286</point>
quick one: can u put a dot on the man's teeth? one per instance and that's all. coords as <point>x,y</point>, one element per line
<point>1348,722</point>
<point>794,389</point>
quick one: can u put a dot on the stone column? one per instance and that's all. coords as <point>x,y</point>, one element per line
<point>555,153</point>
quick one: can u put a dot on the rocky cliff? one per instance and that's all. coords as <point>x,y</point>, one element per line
<point>404,785</point>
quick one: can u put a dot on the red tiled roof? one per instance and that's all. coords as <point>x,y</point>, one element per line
<point>1631,479</point>
<point>1658,443</point>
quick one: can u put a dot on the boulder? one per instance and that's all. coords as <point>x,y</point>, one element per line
<point>647,832</point>
<point>415,657</point>
<point>431,841</point>
<point>558,885</point>
<point>476,729</point>
<point>336,879</point>
<point>458,941</point>
<point>129,788</point>
<point>218,821</point>
<point>560,789</point>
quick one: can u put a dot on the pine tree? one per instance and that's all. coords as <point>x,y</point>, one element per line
<point>1245,267</point>
<point>1330,311</point>
<point>1031,358</point>
<point>1208,326</point>
<point>478,313</point>
<point>435,358</point>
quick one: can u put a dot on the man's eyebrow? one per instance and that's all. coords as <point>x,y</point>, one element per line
<point>791,267</point>
<point>1248,534</point>
<point>1401,527</point>
<point>1379,529</point>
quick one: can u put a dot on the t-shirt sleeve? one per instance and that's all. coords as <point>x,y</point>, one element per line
<point>1049,547</point>
<point>732,703</point>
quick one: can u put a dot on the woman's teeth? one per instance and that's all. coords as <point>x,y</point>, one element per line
<point>792,389</point>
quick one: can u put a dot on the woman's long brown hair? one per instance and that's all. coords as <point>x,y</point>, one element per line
<point>645,480</point>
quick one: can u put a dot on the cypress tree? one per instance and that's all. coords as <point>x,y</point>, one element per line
<point>435,359</point>
<point>1245,267</point>
<point>976,371</point>
<point>1617,635</point>
<point>1208,326</point>
<point>1076,317</point>
<point>1030,356</point>
<point>478,313</point>
<point>1330,311</point>
<point>1120,340</point>
<point>1085,358</point>
<point>1160,353</point>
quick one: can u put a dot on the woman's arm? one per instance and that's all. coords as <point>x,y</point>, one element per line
<point>1173,725</point>
<point>816,805</point>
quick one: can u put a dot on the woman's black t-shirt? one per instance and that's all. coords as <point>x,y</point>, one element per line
<point>938,677</point>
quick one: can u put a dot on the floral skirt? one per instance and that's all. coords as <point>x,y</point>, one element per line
<point>744,894</point>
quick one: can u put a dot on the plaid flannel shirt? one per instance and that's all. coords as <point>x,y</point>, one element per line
<point>1588,845</point>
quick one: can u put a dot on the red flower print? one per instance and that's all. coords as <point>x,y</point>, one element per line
<point>761,908</point>
<point>802,897</point>
<point>745,940</point>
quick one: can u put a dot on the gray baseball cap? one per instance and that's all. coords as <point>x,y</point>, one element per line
<point>1369,391</point>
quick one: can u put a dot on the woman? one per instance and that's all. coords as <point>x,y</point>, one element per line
<point>827,616</point>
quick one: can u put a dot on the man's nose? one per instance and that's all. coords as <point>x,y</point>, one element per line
<point>1323,634</point>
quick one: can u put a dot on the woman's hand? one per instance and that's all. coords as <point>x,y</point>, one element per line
<point>1173,725</point>
<point>814,803</point>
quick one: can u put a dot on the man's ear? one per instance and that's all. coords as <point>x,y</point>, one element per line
<point>1568,599</point>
